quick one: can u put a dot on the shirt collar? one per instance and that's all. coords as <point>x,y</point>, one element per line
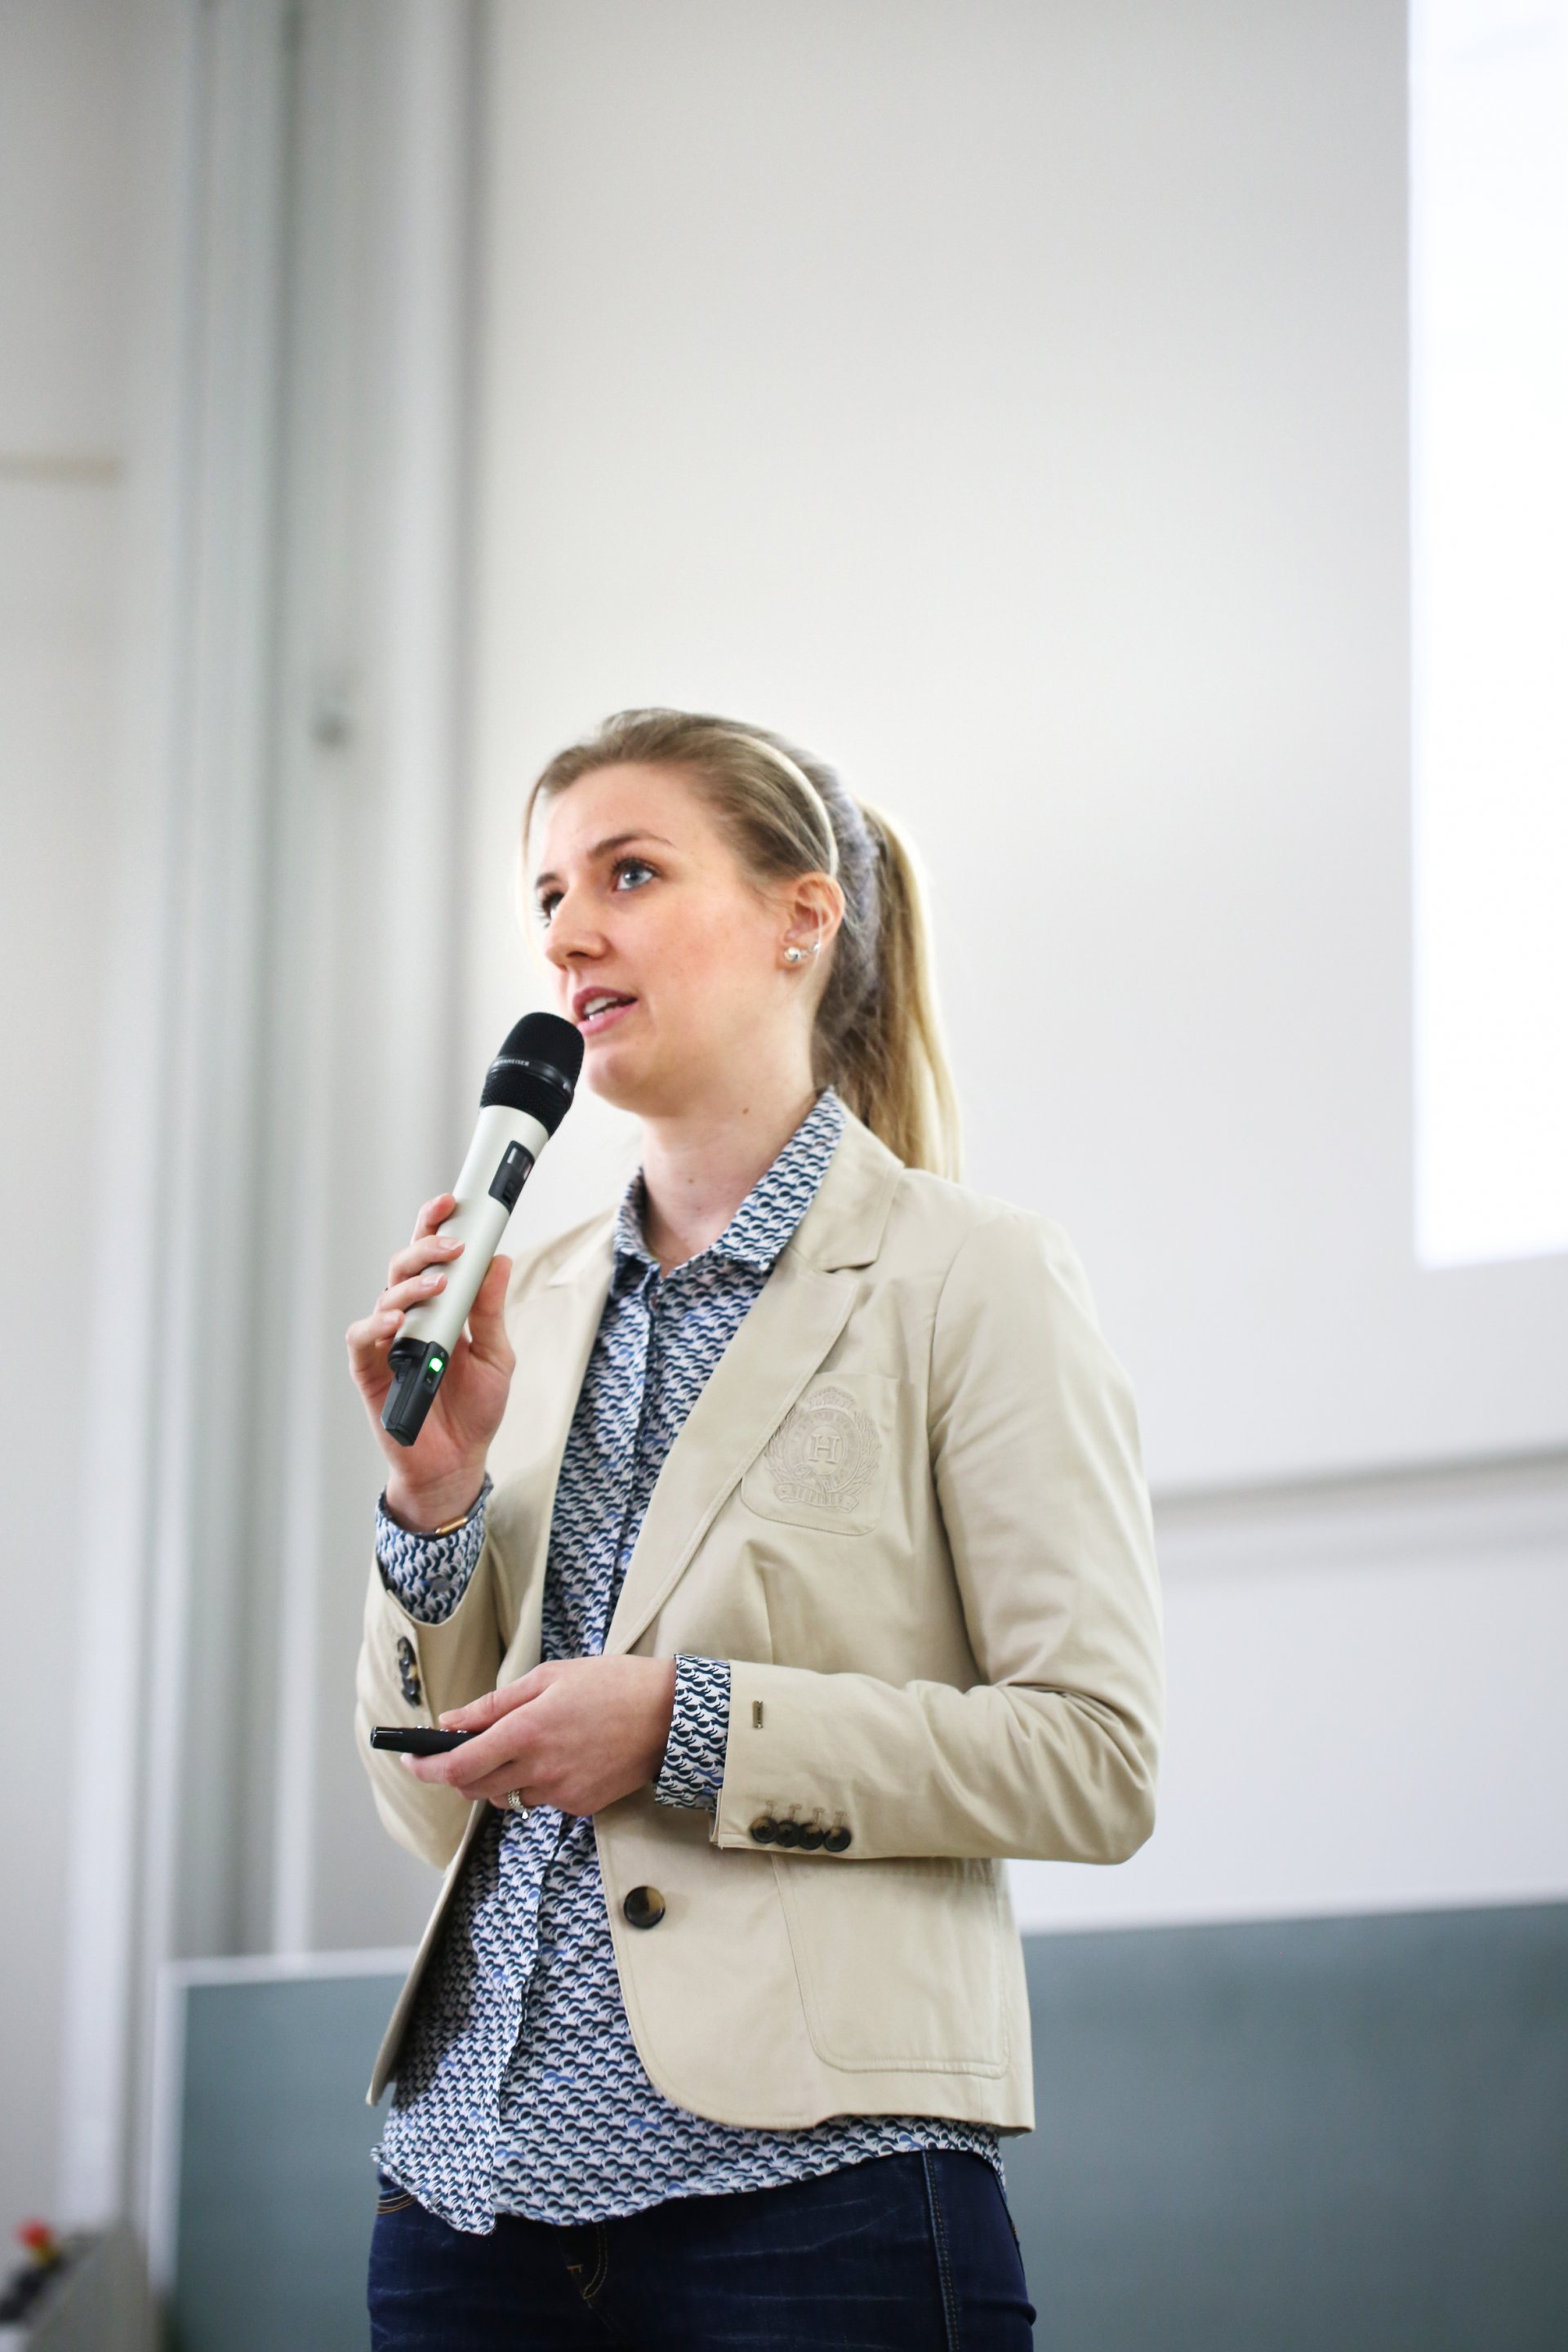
<point>767,1217</point>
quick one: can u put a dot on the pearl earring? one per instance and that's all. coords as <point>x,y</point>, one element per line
<point>793,955</point>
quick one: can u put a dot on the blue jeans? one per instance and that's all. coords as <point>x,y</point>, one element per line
<point>904,2253</point>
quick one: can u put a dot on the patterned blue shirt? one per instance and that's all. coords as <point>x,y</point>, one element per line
<point>518,2087</point>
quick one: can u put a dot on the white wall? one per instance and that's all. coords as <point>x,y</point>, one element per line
<point>1365,1706</point>
<point>1009,401</point>
<point>66,257</point>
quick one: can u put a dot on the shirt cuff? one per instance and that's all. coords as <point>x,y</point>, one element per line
<point>429,1574</point>
<point>692,1772</point>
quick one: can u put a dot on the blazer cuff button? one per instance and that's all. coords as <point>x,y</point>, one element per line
<point>764,1829</point>
<point>836,1840</point>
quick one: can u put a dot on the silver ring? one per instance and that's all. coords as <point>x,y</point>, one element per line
<point>515,1802</point>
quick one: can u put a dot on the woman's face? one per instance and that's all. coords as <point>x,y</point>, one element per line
<point>666,955</point>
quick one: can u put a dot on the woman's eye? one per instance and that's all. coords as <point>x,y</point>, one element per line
<point>628,873</point>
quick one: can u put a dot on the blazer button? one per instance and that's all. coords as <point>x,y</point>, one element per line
<point>811,1838</point>
<point>408,1671</point>
<point>764,1828</point>
<point>836,1840</point>
<point>787,1834</point>
<point>644,1907</point>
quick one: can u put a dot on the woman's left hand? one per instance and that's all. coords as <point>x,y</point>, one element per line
<point>576,1733</point>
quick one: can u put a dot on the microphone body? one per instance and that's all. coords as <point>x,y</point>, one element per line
<point>527,1093</point>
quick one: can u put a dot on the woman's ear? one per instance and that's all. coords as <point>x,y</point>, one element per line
<point>813,911</point>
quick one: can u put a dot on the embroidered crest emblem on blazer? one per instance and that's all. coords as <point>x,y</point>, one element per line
<point>908,1508</point>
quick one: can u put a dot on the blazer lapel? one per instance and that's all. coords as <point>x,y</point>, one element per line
<point>554,1338</point>
<point>803,1307</point>
<point>762,1371</point>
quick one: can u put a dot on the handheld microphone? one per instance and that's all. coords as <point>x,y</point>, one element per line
<point>527,1093</point>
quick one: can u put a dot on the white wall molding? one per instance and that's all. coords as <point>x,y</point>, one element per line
<point>293,780</point>
<point>362,1082</point>
<point>140,1446</point>
<point>1425,1513</point>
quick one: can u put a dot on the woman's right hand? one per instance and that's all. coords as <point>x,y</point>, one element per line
<point>438,1478</point>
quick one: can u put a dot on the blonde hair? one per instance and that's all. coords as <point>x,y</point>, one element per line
<point>877,1039</point>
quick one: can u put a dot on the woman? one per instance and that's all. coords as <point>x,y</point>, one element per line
<point>783,1536</point>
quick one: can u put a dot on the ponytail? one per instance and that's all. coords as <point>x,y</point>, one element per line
<point>892,1068</point>
<point>877,1039</point>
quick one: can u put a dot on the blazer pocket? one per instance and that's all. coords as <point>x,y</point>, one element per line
<point>900,1962</point>
<point>827,1463</point>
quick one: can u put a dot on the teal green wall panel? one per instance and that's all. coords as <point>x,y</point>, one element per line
<point>276,2192</point>
<point>1310,2136</point>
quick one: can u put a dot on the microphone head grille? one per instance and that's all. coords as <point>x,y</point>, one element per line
<point>537,1069</point>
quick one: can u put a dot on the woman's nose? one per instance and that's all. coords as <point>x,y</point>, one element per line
<point>570,934</point>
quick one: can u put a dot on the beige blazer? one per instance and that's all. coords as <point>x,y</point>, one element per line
<point>907,1506</point>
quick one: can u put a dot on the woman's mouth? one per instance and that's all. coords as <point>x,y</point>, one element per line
<point>594,1010</point>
